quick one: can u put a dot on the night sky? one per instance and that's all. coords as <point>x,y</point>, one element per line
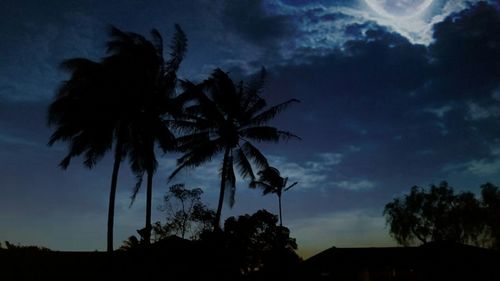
<point>393,94</point>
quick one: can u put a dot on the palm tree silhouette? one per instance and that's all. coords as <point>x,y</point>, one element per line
<point>226,119</point>
<point>159,106</point>
<point>87,116</point>
<point>109,102</point>
<point>271,181</point>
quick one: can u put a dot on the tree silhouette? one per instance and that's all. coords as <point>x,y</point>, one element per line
<point>490,203</point>
<point>186,214</point>
<point>433,215</point>
<point>257,243</point>
<point>87,115</point>
<point>225,120</point>
<point>158,103</point>
<point>131,243</point>
<point>271,181</point>
<point>119,101</point>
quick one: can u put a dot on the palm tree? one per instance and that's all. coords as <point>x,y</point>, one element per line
<point>105,103</point>
<point>158,105</point>
<point>271,181</point>
<point>87,116</point>
<point>225,120</point>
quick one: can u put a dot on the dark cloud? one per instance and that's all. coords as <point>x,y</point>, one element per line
<point>251,21</point>
<point>308,2</point>
<point>466,53</point>
<point>411,109</point>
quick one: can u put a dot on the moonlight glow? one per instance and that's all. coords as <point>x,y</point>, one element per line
<point>399,9</point>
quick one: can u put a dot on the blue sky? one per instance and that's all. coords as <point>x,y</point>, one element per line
<point>387,103</point>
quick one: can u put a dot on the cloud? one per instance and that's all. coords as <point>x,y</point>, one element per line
<point>354,148</point>
<point>477,112</point>
<point>329,25</point>
<point>440,112</point>
<point>309,174</point>
<point>380,82</point>
<point>484,167</point>
<point>487,166</point>
<point>313,173</point>
<point>465,54</point>
<point>496,94</point>
<point>250,20</point>
<point>16,140</point>
<point>325,161</point>
<point>359,185</point>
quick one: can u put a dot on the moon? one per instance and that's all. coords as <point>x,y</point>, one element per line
<point>399,9</point>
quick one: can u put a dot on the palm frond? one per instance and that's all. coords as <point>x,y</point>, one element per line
<point>244,166</point>
<point>256,83</point>
<point>178,48</point>
<point>122,41</point>
<point>290,186</point>
<point>157,42</point>
<point>137,187</point>
<point>185,126</point>
<point>66,161</point>
<point>266,187</point>
<point>270,113</point>
<point>253,153</point>
<point>255,104</point>
<point>187,142</point>
<point>197,156</point>
<point>80,65</point>
<point>223,92</point>
<point>166,140</point>
<point>266,133</point>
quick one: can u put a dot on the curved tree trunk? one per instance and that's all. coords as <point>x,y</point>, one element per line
<point>222,189</point>
<point>112,193</point>
<point>149,195</point>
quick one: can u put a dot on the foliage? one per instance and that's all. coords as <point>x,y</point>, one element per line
<point>271,181</point>
<point>186,214</point>
<point>440,214</point>
<point>132,243</point>
<point>120,101</point>
<point>21,248</point>
<point>490,204</point>
<point>257,243</point>
<point>227,118</point>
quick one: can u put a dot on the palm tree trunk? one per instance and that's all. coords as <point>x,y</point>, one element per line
<point>279,206</point>
<point>222,190</point>
<point>112,193</point>
<point>149,195</point>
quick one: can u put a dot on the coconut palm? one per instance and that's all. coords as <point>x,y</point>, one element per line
<point>226,119</point>
<point>105,103</point>
<point>271,181</point>
<point>87,116</point>
<point>158,104</point>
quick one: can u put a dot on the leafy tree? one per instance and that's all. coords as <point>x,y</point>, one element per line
<point>131,243</point>
<point>226,119</point>
<point>490,203</point>
<point>271,181</point>
<point>118,101</point>
<point>186,214</point>
<point>433,215</point>
<point>258,243</point>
